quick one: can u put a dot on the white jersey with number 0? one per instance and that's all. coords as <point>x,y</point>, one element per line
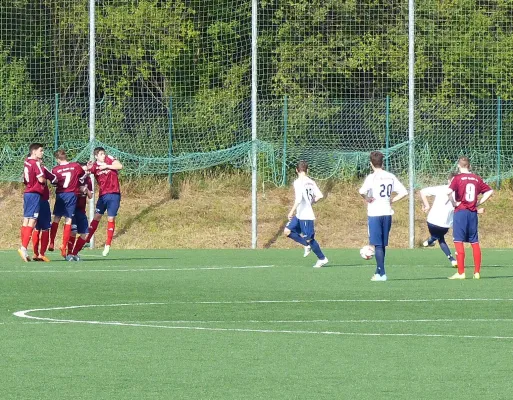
<point>380,185</point>
<point>306,190</point>
<point>442,210</point>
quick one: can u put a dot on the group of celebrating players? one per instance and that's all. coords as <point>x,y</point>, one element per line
<point>73,187</point>
<point>456,204</point>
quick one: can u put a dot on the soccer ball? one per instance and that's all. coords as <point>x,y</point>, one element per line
<point>367,252</point>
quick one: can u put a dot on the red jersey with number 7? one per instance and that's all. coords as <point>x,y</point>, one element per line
<point>107,179</point>
<point>68,177</point>
<point>466,188</point>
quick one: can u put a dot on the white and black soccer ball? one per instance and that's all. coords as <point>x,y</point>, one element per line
<point>367,252</point>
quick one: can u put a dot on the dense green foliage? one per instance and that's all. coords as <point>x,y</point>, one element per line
<point>335,60</point>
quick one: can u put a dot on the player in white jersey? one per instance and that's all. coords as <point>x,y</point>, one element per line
<point>439,219</point>
<point>300,227</point>
<point>377,191</point>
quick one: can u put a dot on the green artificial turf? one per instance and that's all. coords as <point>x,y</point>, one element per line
<point>243,324</point>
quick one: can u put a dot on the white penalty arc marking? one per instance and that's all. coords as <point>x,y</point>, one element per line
<point>25,314</point>
<point>73,271</point>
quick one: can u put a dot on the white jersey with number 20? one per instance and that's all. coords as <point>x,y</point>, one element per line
<point>306,190</point>
<point>380,186</point>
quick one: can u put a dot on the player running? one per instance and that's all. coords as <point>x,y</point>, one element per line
<point>440,216</point>
<point>466,187</point>
<point>300,227</point>
<point>105,169</point>
<point>69,175</point>
<point>41,233</point>
<point>377,191</point>
<point>34,181</point>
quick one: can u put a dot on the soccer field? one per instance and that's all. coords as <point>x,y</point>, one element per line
<point>244,324</point>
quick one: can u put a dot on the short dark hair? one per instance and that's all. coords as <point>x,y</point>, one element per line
<point>302,166</point>
<point>376,159</point>
<point>97,150</point>
<point>60,155</point>
<point>34,146</point>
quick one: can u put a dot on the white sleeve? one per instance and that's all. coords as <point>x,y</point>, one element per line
<point>430,191</point>
<point>367,185</point>
<point>399,187</point>
<point>317,191</point>
<point>298,193</point>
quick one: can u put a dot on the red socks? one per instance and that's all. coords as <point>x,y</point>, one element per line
<point>71,243</point>
<point>26,235</point>
<point>35,242</point>
<point>460,257</point>
<point>92,229</point>
<point>476,252</point>
<point>45,239</point>
<point>79,244</point>
<point>65,238</point>
<point>111,226</point>
<point>53,231</point>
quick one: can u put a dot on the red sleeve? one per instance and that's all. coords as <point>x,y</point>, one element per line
<point>49,175</point>
<point>454,183</point>
<point>109,160</point>
<point>93,168</point>
<point>37,169</point>
<point>483,187</point>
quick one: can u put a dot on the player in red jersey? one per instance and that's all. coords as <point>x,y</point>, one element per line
<point>466,187</point>
<point>34,181</point>
<point>80,223</point>
<point>69,175</point>
<point>44,221</point>
<point>105,170</point>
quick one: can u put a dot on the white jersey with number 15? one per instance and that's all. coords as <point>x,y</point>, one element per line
<point>306,190</point>
<point>380,186</point>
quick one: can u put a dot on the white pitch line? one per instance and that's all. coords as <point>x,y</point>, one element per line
<point>330,321</point>
<point>25,314</point>
<point>340,301</point>
<point>72,271</point>
<point>298,332</point>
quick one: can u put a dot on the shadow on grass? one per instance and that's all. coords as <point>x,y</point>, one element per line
<point>327,189</point>
<point>139,217</point>
<point>446,278</point>
<point>90,259</point>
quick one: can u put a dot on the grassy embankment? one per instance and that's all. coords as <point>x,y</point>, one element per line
<point>216,213</point>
